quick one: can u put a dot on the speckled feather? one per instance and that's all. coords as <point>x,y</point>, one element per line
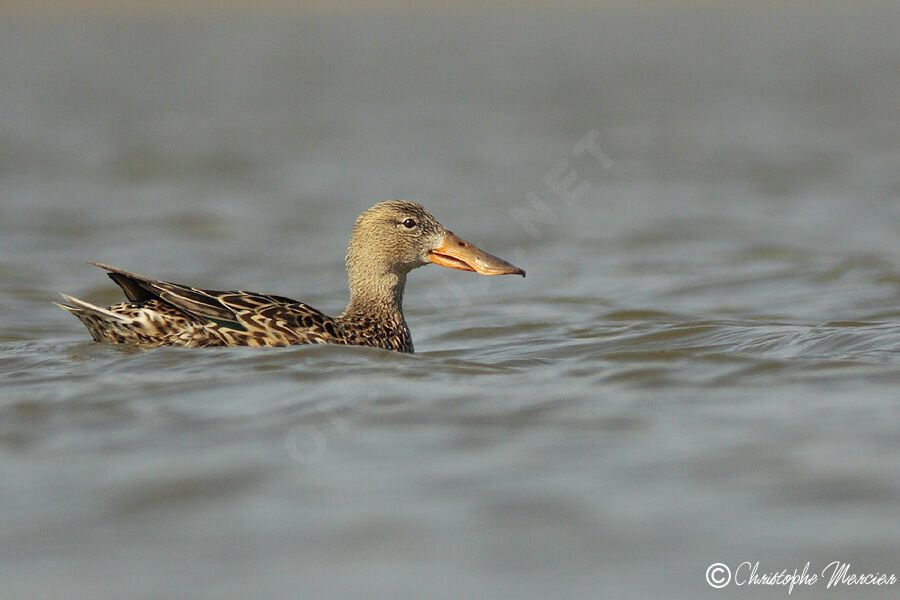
<point>172,314</point>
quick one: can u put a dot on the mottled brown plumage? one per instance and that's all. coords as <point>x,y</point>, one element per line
<point>389,240</point>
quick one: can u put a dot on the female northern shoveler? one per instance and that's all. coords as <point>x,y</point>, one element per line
<point>389,240</point>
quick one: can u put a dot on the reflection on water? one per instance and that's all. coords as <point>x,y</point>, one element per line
<point>702,365</point>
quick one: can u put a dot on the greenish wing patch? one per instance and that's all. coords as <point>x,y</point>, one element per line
<point>228,324</point>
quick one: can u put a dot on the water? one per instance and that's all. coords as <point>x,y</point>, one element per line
<point>701,366</point>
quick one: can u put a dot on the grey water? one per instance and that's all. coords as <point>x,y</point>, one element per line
<point>702,366</point>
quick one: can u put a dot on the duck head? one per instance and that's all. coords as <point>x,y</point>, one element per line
<point>398,236</point>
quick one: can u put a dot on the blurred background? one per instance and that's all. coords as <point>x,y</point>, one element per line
<point>702,365</point>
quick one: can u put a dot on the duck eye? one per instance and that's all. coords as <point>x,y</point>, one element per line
<point>409,223</point>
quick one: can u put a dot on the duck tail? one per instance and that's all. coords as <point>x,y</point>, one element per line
<point>100,322</point>
<point>78,307</point>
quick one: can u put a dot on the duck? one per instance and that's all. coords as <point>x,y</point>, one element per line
<point>389,240</point>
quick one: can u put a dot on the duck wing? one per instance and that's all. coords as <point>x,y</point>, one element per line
<point>282,318</point>
<point>272,320</point>
<point>199,303</point>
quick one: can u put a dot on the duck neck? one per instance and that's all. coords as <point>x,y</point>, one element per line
<point>376,294</point>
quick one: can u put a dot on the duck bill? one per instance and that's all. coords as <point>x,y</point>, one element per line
<point>458,254</point>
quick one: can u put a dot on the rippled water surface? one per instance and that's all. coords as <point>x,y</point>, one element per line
<point>703,364</point>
